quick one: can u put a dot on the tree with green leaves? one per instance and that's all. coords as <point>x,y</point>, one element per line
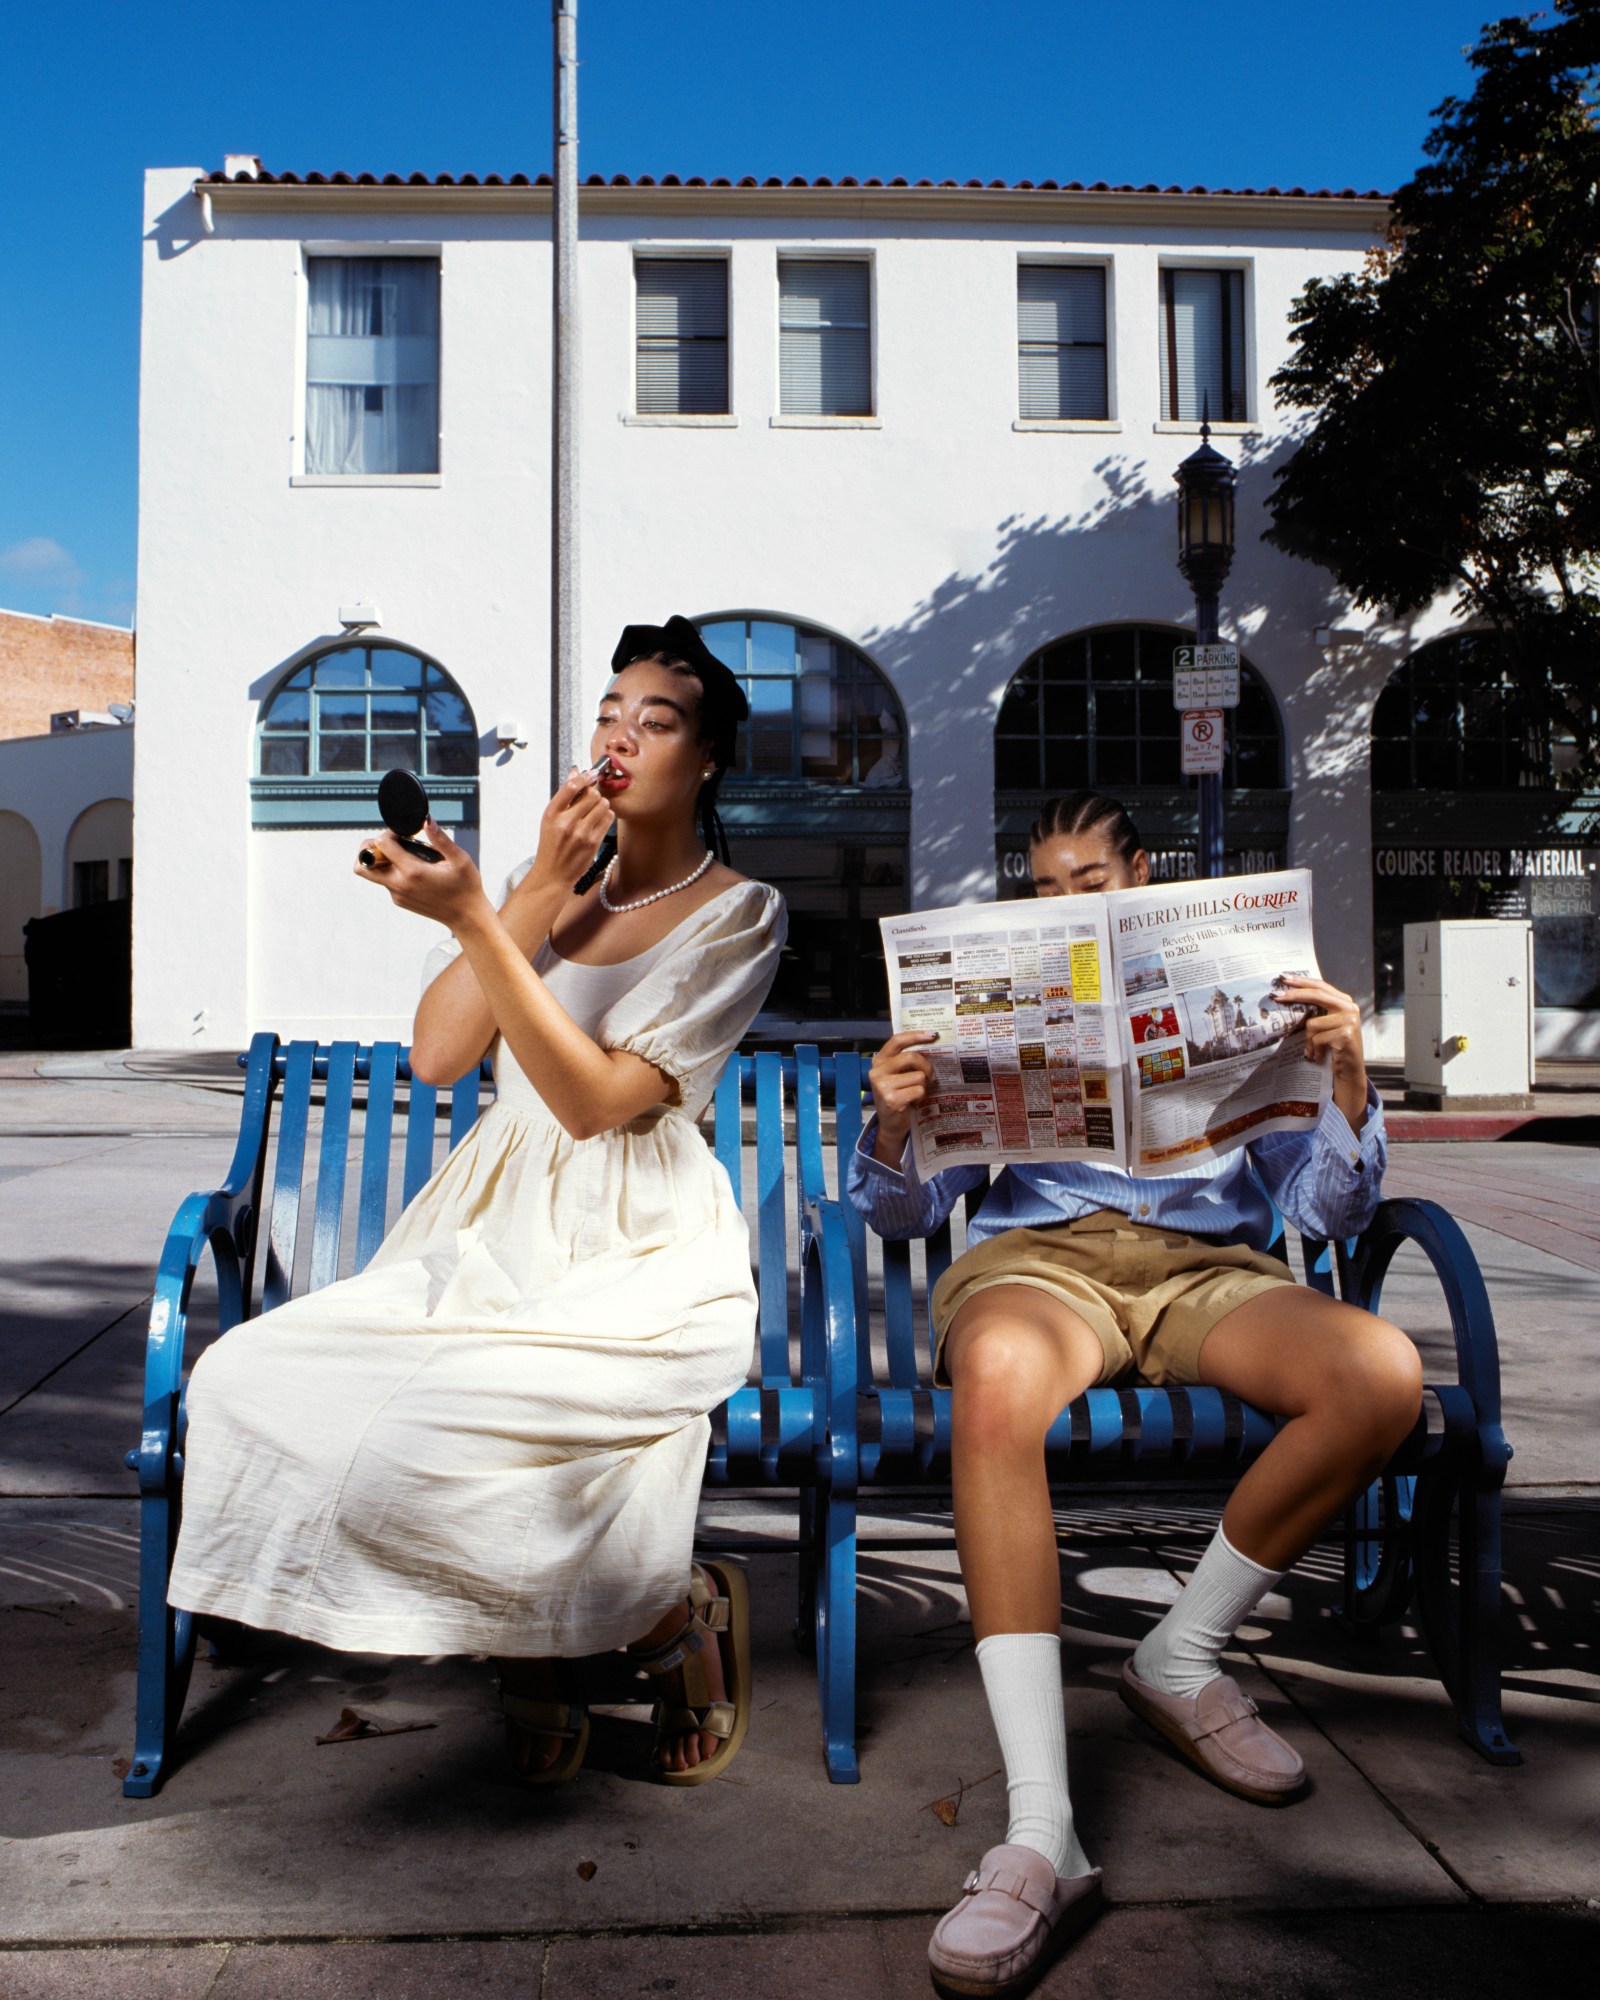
<point>1452,388</point>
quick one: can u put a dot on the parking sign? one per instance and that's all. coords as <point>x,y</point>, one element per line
<point>1200,739</point>
<point>1205,677</point>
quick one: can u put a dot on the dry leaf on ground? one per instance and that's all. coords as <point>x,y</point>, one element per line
<point>352,1726</point>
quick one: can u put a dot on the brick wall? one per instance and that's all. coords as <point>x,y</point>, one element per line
<point>48,664</point>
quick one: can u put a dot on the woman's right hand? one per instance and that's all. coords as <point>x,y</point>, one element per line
<point>901,1078</point>
<point>573,825</point>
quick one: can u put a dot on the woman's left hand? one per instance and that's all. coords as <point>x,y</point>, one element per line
<point>447,890</point>
<point>1333,1034</point>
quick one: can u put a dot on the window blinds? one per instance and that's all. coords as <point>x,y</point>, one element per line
<point>1061,329</point>
<point>1202,346</point>
<point>824,339</point>
<point>682,353</point>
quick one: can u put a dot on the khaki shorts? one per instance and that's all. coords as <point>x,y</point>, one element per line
<point>1151,1295</point>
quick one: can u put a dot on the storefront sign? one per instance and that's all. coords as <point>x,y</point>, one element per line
<point>1167,864</point>
<point>1558,888</point>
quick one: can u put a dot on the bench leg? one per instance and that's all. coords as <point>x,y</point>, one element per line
<point>1460,1604</point>
<point>166,1651</point>
<point>1377,1552</point>
<point>834,1547</point>
<point>805,1613</point>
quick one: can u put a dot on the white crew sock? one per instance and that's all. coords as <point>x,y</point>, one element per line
<point>1022,1678</point>
<point>1182,1654</point>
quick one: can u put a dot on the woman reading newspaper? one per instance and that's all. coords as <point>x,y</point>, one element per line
<point>1077,1274</point>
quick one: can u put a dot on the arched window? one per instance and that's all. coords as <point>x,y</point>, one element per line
<point>21,879</point>
<point>1473,817</point>
<point>820,712</point>
<point>1094,710</point>
<point>1451,720</point>
<point>100,854</point>
<point>330,729</point>
<point>816,803</point>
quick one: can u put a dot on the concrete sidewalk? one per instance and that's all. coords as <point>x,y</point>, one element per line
<point>409,1864</point>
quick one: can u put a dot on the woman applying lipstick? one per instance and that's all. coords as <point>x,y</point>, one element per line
<point>491,1440</point>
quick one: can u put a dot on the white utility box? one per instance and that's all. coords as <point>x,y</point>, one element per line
<point>1469,1015</point>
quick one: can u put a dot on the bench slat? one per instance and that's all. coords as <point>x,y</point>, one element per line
<point>284,1225</point>
<point>420,1107</point>
<point>464,1094</point>
<point>372,1218</point>
<point>727,1109</point>
<point>772,1216</point>
<point>332,1155</point>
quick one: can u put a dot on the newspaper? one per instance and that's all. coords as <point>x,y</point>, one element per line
<point>1142,1028</point>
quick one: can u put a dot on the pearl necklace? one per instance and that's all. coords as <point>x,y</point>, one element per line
<point>617,909</point>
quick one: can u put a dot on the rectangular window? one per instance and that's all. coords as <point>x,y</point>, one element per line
<point>372,364</point>
<point>824,338</point>
<point>1061,340</point>
<point>681,358</point>
<point>90,883</point>
<point>1202,346</point>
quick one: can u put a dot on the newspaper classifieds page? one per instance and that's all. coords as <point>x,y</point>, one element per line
<point>1026,1066</point>
<point>1215,1056</point>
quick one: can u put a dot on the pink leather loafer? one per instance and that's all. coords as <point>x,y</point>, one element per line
<point>1221,1730</point>
<point>1015,1915</point>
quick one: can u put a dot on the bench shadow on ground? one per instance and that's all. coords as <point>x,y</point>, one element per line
<point>1122,1565</point>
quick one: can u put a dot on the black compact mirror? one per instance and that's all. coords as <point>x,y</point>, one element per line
<point>403,807</point>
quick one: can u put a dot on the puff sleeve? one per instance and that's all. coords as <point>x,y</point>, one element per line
<point>688,1013</point>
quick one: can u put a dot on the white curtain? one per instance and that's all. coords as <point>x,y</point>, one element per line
<point>372,365</point>
<point>1202,333</point>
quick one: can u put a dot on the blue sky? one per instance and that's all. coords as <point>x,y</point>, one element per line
<point>1227,93</point>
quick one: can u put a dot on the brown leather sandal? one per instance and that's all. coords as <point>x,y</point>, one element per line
<point>545,1714</point>
<point>724,1620</point>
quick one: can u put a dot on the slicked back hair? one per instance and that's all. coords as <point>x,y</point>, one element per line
<point>1087,812</point>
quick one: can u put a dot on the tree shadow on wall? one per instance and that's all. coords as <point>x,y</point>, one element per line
<point>1114,561</point>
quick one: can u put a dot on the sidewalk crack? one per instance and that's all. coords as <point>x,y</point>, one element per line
<point>137,1306</point>
<point>1431,1848</point>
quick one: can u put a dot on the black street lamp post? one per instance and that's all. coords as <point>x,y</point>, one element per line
<point>1205,555</point>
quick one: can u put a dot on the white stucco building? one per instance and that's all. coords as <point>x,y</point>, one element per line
<point>909,450</point>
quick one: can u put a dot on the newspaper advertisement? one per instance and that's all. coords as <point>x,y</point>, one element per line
<point>1216,1056</point>
<point>1143,1028</point>
<point>1021,998</point>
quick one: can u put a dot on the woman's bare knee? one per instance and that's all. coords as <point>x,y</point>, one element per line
<point>1386,1377</point>
<point>1015,1364</point>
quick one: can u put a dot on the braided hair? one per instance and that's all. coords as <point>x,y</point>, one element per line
<point>1087,812</point>
<point>719,726</point>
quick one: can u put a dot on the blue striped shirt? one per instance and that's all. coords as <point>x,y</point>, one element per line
<point>1325,1181</point>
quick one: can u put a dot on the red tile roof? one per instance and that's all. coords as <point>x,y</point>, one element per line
<point>775,181</point>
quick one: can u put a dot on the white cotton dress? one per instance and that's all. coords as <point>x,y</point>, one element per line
<point>492,1439</point>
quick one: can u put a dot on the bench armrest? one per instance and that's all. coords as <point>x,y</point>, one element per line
<point>828,1332</point>
<point>1442,1241</point>
<point>216,1222</point>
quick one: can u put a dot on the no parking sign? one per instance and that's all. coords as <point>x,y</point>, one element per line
<point>1200,737</point>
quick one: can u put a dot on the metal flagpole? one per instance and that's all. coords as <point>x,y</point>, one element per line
<point>565,669</point>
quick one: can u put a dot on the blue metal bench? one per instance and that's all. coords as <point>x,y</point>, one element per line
<point>1429,1528</point>
<point>270,1237</point>
<point>823,1420</point>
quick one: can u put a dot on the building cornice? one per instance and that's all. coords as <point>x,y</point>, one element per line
<point>1155,210</point>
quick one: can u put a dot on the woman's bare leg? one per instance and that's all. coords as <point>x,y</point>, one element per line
<point>1350,1385</point>
<point>1016,1357</point>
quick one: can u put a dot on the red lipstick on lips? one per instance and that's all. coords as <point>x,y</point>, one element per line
<point>612,775</point>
